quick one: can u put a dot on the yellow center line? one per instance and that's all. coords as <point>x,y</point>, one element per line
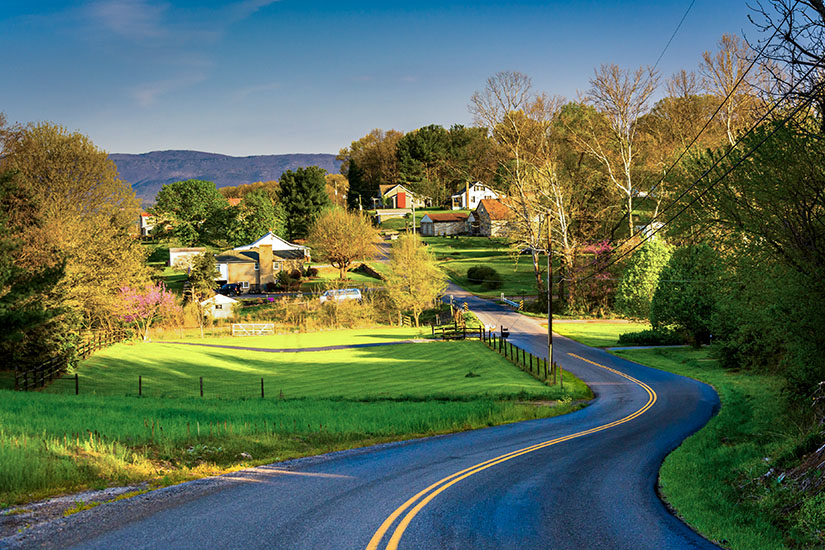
<point>443,484</point>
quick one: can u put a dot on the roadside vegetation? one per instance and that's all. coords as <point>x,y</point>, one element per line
<point>743,480</point>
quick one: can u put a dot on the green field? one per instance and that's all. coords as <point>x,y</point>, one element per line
<point>600,334</point>
<point>457,255</point>
<point>55,441</point>
<point>407,371</point>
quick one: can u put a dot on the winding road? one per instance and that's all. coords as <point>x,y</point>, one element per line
<point>583,480</point>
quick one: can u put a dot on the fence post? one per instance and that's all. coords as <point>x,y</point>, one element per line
<point>76,384</point>
<point>201,380</point>
<point>531,362</point>
<point>140,386</point>
<point>262,388</point>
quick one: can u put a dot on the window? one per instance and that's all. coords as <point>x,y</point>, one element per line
<point>244,284</point>
<point>256,266</point>
<point>218,306</point>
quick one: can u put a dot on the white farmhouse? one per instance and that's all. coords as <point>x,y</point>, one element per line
<point>471,196</point>
<point>218,306</point>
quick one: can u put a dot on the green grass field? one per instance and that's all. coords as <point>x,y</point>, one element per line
<point>55,441</point>
<point>600,334</point>
<point>457,255</point>
<point>407,371</point>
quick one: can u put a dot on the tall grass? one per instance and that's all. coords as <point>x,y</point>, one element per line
<point>55,443</point>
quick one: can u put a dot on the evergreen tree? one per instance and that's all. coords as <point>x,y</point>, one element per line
<point>303,194</point>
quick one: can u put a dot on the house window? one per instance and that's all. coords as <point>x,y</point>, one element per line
<point>244,284</point>
<point>256,266</point>
<point>218,306</point>
<point>276,267</point>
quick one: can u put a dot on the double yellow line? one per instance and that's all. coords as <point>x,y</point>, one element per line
<point>422,498</point>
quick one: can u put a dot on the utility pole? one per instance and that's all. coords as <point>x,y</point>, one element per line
<point>412,200</point>
<point>550,298</point>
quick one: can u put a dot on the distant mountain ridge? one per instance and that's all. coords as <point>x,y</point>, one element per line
<point>148,172</point>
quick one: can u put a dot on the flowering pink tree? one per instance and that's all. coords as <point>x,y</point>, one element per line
<point>140,306</point>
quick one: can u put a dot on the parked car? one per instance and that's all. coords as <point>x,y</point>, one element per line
<point>341,294</point>
<point>230,289</point>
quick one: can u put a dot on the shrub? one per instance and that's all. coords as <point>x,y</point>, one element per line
<point>271,287</point>
<point>653,337</point>
<point>485,276</point>
<point>311,272</point>
<point>686,295</point>
<point>635,291</point>
<point>295,274</point>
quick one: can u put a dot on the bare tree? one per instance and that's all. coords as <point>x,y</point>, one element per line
<point>794,50</point>
<point>519,120</point>
<point>724,74</point>
<point>622,97</point>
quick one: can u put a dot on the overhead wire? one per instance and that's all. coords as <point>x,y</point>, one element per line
<point>651,234</point>
<point>707,122</point>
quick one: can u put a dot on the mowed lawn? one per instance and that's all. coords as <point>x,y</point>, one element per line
<point>457,255</point>
<point>315,339</point>
<point>433,370</point>
<point>598,333</point>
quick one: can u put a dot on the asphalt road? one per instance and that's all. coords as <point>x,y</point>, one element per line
<point>583,480</point>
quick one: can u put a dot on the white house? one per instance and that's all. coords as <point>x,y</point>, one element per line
<point>278,245</point>
<point>219,306</point>
<point>476,192</point>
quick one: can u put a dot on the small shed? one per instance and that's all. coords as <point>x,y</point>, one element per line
<point>219,306</point>
<point>182,257</point>
<point>449,223</point>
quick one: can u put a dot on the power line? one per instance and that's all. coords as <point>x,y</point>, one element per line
<point>672,36</point>
<point>720,178</point>
<point>707,123</point>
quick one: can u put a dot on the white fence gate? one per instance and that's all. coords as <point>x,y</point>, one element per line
<point>252,329</point>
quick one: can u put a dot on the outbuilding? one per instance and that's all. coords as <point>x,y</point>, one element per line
<point>448,223</point>
<point>219,306</point>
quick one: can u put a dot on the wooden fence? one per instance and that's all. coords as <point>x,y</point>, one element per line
<point>39,375</point>
<point>534,365</point>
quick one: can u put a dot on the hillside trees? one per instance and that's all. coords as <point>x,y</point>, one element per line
<point>303,196</point>
<point>192,209</point>
<point>414,280</point>
<point>342,237</point>
<point>422,161</point>
<point>369,162</point>
<point>86,214</point>
<point>21,287</point>
<point>640,277</point>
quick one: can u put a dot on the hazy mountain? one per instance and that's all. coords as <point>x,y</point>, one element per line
<point>148,172</point>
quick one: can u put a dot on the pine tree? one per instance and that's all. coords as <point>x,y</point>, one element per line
<point>303,194</point>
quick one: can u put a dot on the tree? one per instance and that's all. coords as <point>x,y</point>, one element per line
<point>519,119</point>
<point>21,288</point>
<point>414,280</point>
<point>422,161</point>
<point>87,213</point>
<point>342,237</point>
<point>722,73</point>
<point>337,189</point>
<point>258,213</point>
<point>141,306</point>
<point>375,154</point>
<point>621,96</point>
<point>202,282</point>
<point>686,294</point>
<point>303,195</point>
<point>639,279</point>
<point>192,208</point>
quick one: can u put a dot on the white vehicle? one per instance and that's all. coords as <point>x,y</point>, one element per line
<point>341,294</point>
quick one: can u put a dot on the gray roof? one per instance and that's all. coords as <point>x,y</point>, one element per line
<point>247,256</point>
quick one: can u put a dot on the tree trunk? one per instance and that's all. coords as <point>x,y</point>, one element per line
<point>537,272</point>
<point>630,213</point>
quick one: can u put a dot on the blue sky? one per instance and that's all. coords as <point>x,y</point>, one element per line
<point>300,76</point>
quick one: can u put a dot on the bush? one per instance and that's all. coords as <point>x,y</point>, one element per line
<point>635,291</point>
<point>653,337</point>
<point>687,293</point>
<point>270,287</point>
<point>311,272</point>
<point>486,276</point>
<point>295,274</point>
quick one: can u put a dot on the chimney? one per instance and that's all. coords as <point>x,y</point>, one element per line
<point>265,264</point>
